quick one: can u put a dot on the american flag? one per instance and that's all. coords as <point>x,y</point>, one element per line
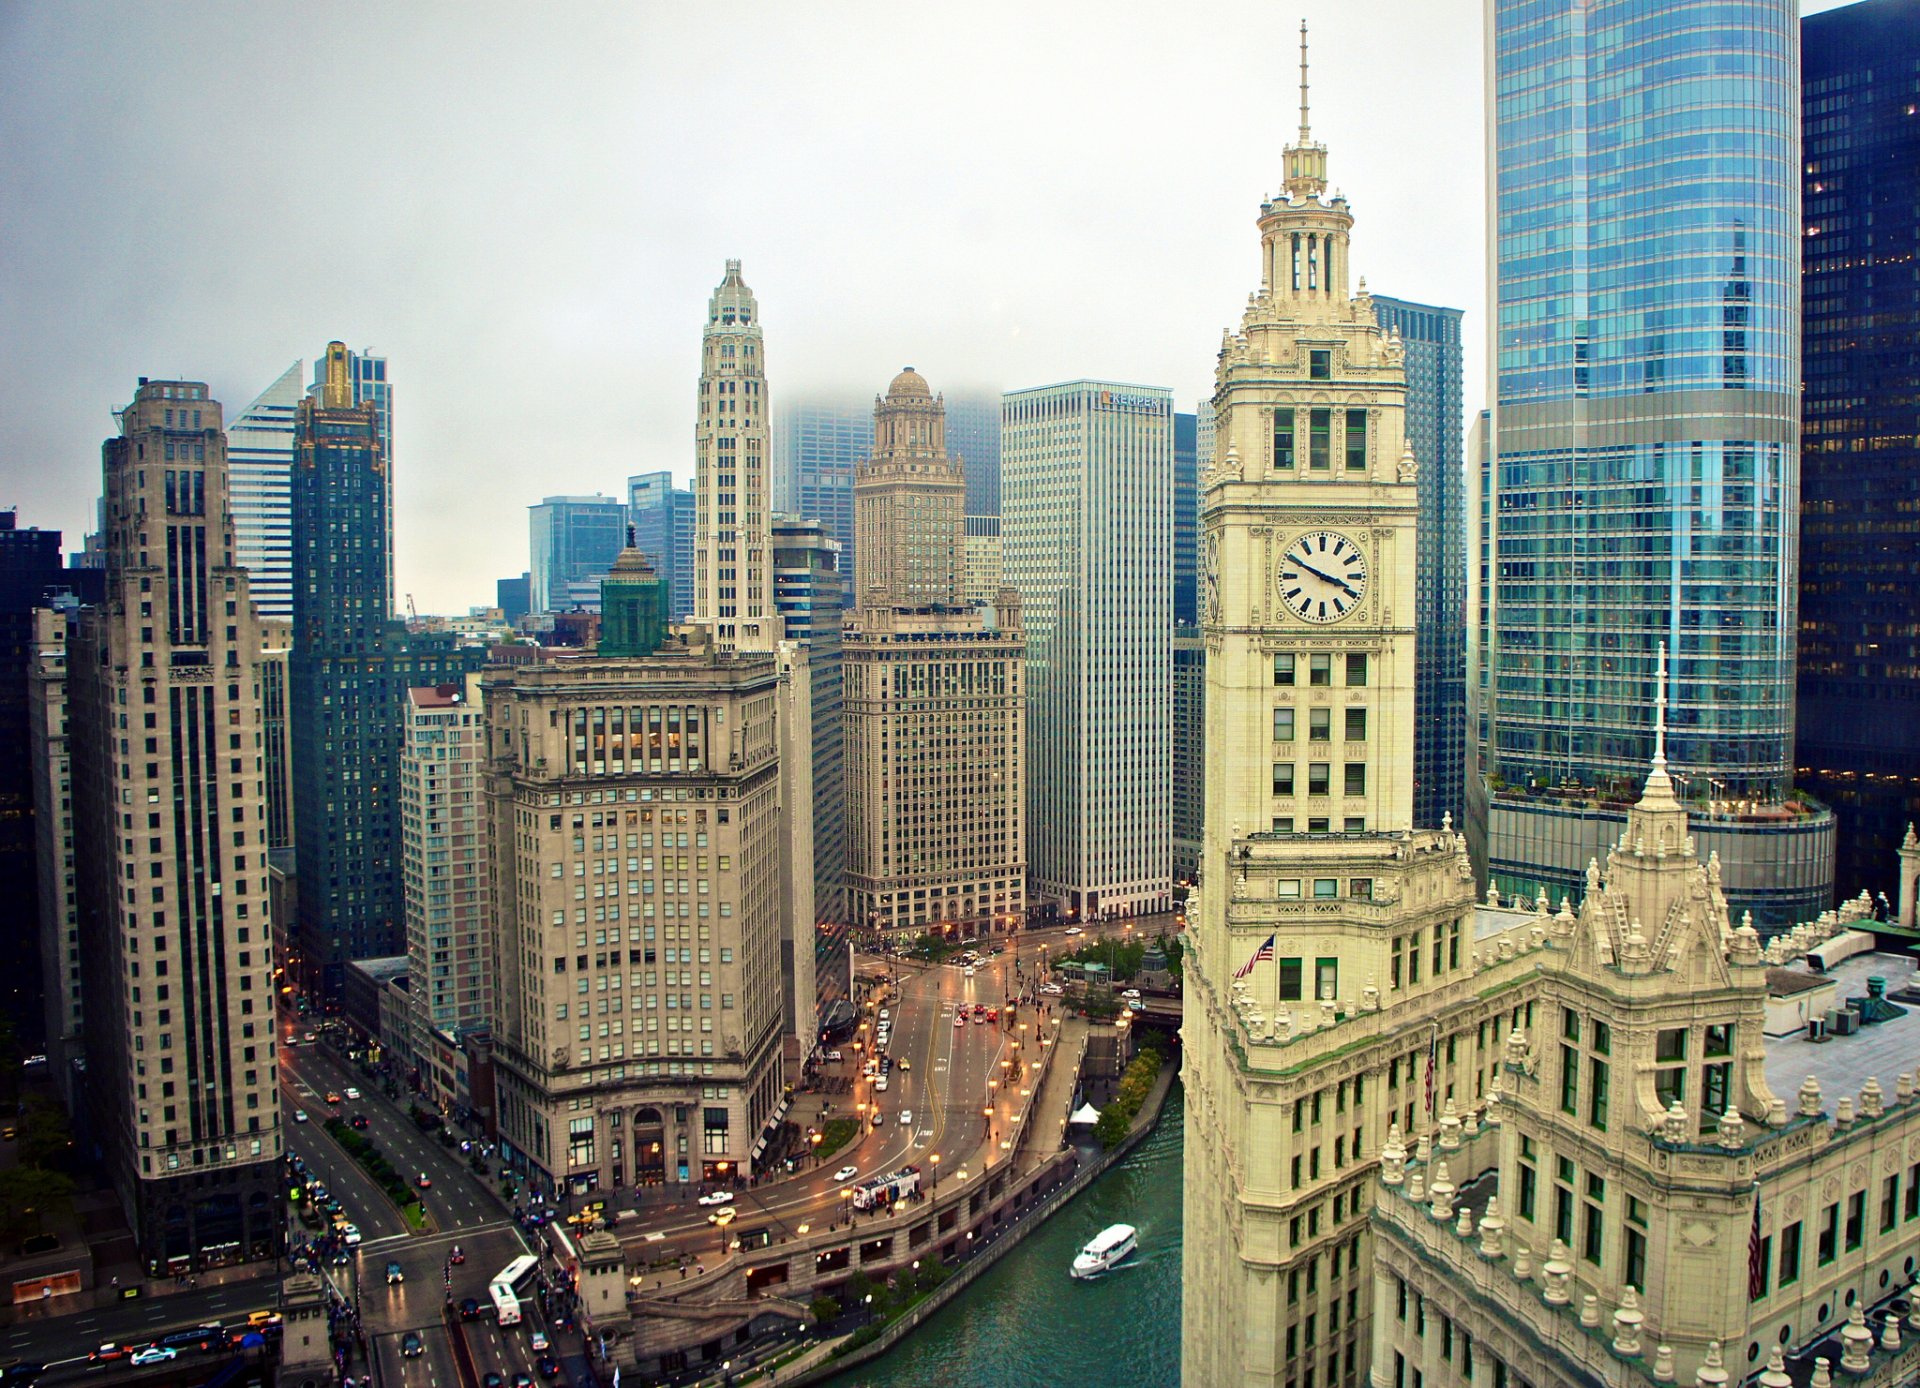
<point>1756,1255</point>
<point>1264,952</point>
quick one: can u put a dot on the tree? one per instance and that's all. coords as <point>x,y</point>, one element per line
<point>46,1138</point>
<point>823,1309</point>
<point>28,1194</point>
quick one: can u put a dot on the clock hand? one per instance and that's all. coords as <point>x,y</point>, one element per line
<point>1324,578</point>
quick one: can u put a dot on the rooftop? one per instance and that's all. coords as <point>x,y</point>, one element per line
<point>1842,1063</point>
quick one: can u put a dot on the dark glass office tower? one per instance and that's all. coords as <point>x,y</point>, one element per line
<point>1432,339</point>
<point>1186,521</point>
<point>1646,429</point>
<point>348,671</point>
<point>1859,707</point>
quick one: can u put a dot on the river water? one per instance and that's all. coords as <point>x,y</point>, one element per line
<point>1026,1322</point>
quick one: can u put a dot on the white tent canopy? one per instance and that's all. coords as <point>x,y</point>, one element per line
<point>1086,1113</point>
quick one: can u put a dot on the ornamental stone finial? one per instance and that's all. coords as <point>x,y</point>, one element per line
<point>1822,1374</point>
<point>1810,1097</point>
<point>1590,1311</point>
<point>1731,1132</point>
<point>1491,1227</point>
<point>1856,1342</point>
<point>1872,1098</point>
<point>1775,1374</point>
<point>1712,1372</point>
<point>1626,1323</point>
<point>1663,1363</point>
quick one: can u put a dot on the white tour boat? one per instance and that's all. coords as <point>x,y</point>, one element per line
<point>1112,1246</point>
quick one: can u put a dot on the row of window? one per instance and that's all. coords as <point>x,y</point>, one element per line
<point>1320,778</point>
<point>1320,667</point>
<point>1320,724</point>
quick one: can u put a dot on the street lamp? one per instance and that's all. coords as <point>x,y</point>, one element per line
<point>934,1161</point>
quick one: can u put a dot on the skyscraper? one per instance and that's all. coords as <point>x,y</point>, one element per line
<point>1186,515</point>
<point>934,704</point>
<point>572,542</point>
<point>1431,337</point>
<point>260,464</point>
<point>817,441</point>
<point>1087,535</point>
<point>170,840</point>
<point>1645,441</point>
<point>732,479</point>
<point>1859,682</point>
<point>1189,750</point>
<point>347,676</point>
<point>985,569</point>
<point>806,593</point>
<point>367,385</point>
<point>662,518</point>
<point>973,437</point>
<point>62,996</point>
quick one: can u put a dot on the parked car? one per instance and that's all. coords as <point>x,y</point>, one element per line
<point>717,1197</point>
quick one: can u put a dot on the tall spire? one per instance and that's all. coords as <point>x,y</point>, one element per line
<point>1306,133</point>
<point>1306,161</point>
<point>1658,793</point>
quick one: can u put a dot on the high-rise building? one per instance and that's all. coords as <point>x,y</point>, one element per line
<point>1431,337</point>
<point>170,844</point>
<point>1859,678</point>
<point>1189,750</point>
<point>1645,441</point>
<point>985,568</point>
<point>732,481</point>
<point>30,570</point>
<point>276,647</point>
<point>667,757</point>
<point>817,442</point>
<point>260,465</point>
<point>662,519</point>
<point>1087,535</point>
<point>514,597</point>
<point>572,542</point>
<point>1318,899</point>
<point>806,594</point>
<point>57,887</point>
<point>443,869</point>
<point>909,502</point>
<point>934,704</point>
<point>973,440</point>
<point>367,385</point>
<point>347,677</point>
<point>1186,518</point>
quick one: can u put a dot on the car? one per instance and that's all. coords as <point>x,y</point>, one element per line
<point>978,1008</point>
<point>155,1354</point>
<point>299,1115</point>
<point>340,1258</point>
<point>846,1173</point>
<point>881,1084</point>
<point>394,1274</point>
<point>722,1216</point>
<point>352,1093</point>
<point>969,971</point>
<point>358,1122</point>
<point>109,1352</point>
<point>959,1019</point>
<point>833,1057</point>
<point>1075,930</point>
<point>493,1380</point>
<point>470,1309</point>
<point>309,1038</point>
<point>717,1197</point>
<point>547,1365</point>
<point>523,1379</point>
<point>1132,994</point>
<point>332,1097</point>
<point>333,1207</point>
<point>411,1345</point>
<point>350,1234</point>
<point>17,1375</point>
<point>906,1118</point>
<point>456,1255</point>
<point>538,1341</point>
<point>884,1014</point>
<point>260,1320</point>
<point>905,1064</point>
<point>980,1016</point>
<point>424,1181</point>
<point>1052,990</point>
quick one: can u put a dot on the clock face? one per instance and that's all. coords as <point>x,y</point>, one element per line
<point>1322,576</point>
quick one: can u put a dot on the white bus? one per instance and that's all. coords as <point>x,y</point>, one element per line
<point>882,1191</point>
<point>515,1274</point>
<point>506,1306</point>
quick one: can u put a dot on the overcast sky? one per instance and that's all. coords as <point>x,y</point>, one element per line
<point>525,207</point>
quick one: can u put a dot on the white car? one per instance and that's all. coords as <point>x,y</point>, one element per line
<point>833,1056</point>
<point>881,1084</point>
<point>969,971</point>
<point>299,1115</point>
<point>906,1118</point>
<point>1131,995</point>
<point>1075,930</point>
<point>846,1173</point>
<point>1053,989</point>
<point>155,1354</point>
<point>351,1092</point>
<point>884,1014</point>
<point>350,1233</point>
<point>539,1343</point>
<point>718,1197</point>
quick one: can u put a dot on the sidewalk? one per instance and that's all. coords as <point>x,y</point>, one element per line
<point>1043,1132</point>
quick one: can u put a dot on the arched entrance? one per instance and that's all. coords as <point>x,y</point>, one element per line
<point>649,1148</point>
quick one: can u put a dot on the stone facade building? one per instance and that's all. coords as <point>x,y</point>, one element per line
<point>634,810</point>
<point>935,709</point>
<point>170,850</point>
<point>732,478</point>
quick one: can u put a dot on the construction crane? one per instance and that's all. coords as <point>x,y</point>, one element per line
<point>413,613</point>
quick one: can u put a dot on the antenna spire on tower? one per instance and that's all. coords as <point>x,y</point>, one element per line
<point>1660,711</point>
<point>1306,137</point>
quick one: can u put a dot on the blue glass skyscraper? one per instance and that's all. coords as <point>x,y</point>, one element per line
<point>1432,339</point>
<point>1645,443</point>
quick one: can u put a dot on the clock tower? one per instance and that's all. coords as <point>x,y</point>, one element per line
<point>1325,921</point>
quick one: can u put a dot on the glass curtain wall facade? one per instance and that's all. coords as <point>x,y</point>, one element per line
<point>367,384</point>
<point>1087,539</point>
<point>662,519</point>
<point>817,441</point>
<point>973,436</point>
<point>1859,705</point>
<point>1645,433</point>
<point>572,542</point>
<point>1186,521</point>
<point>260,472</point>
<point>1431,336</point>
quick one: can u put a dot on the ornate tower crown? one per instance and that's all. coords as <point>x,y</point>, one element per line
<point>1307,160</point>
